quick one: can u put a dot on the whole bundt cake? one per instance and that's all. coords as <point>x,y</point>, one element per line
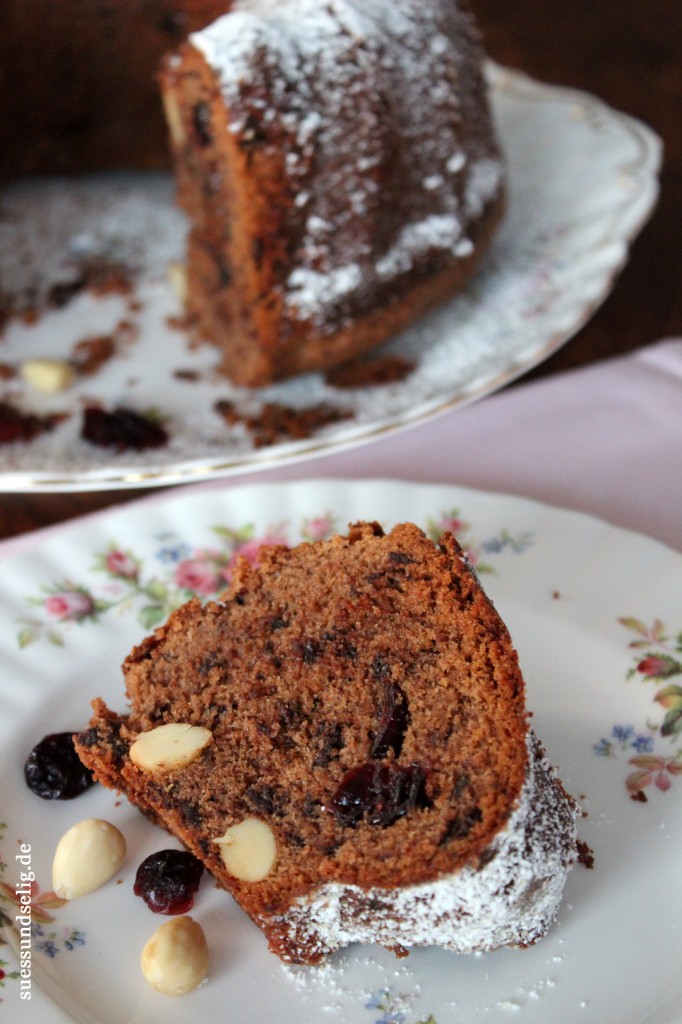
<point>343,741</point>
<point>340,171</point>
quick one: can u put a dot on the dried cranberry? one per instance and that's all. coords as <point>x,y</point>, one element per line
<point>121,429</point>
<point>54,771</point>
<point>168,880</point>
<point>23,426</point>
<point>62,292</point>
<point>379,792</point>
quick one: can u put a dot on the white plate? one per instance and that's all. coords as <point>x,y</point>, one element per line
<point>586,604</point>
<point>583,179</point>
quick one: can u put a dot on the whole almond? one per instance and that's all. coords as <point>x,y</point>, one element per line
<point>175,959</point>
<point>87,856</point>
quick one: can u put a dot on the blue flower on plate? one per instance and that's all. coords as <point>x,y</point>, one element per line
<point>384,1000</point>
<point>172,553</point>
<point>643,744</point>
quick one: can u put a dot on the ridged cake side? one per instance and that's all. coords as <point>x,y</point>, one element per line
<point>511,899</point>
<point>340,168</point>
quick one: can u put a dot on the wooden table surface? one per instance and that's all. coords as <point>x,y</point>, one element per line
<point>627,52</point>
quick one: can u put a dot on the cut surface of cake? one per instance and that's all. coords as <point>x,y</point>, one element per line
<point>340,170</point>
<point>348,722</point>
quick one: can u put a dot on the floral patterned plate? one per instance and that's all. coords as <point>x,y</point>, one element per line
<point>597,618</point>
<point>582,181</point>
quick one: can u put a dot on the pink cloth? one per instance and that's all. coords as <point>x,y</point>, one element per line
<point>605,439</point>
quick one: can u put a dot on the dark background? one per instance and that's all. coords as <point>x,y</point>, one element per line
<point>629,53</point>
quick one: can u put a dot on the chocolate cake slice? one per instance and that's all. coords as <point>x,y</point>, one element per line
<point>343,741</point>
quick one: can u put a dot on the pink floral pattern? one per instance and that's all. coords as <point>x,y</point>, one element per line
<point>657,659</point>
<point>67,604</point>
<point>477,552</point>
<point>154,587</point>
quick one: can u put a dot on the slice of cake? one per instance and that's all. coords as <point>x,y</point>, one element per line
<point>340,171</point>
<point>343,741</point>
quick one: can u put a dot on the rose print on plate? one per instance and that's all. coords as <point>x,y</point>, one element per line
<point>156,582</point>
<point>154,585</point>
<point>655,752</point>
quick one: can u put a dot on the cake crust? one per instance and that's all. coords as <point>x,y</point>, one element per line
<point>366,653</point>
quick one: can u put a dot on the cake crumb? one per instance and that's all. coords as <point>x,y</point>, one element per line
<point>275,422</point>
<point>362,373</point>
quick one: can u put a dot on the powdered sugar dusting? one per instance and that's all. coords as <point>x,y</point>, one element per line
<point>439,231</point>
<point>392,88</point>
<point>309,288</point>
<point>512,900</point>
<point>483,185</point>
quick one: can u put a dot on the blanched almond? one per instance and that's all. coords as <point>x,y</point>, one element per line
<point>173,117</point>
<point>170,746</point>
<point>249,850</point>
<point>48,375</point>
<point>86,857</point>
<point>177,275</point>
<point>175,959</point>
